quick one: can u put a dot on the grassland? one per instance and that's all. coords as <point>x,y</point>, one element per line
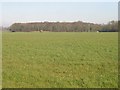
<point>63,60</point>
<point>0,59</point>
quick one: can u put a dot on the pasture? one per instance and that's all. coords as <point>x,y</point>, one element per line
<point>60,60</point>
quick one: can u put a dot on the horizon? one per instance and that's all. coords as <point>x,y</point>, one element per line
<point>91,12</point>
<point>59,22</point>
<point>55,22</point>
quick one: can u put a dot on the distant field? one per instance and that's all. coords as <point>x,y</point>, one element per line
<point>55,60</point>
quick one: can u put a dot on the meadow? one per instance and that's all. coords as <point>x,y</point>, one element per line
<point>60,60</point>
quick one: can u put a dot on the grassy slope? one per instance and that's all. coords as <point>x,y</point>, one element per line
<point>60,60</point>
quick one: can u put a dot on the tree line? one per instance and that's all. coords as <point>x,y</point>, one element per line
<point>78,26</point>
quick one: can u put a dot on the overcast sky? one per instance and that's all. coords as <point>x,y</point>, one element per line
<point>96,12</point>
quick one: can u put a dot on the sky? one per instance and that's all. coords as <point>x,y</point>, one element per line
<point>95,12</point>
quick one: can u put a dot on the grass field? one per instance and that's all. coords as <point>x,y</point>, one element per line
<point>0,59</point>
<point>63,60</point>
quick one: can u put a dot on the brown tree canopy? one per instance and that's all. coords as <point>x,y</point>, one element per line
<point>64,27</point>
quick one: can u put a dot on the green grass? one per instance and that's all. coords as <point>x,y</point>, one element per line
<point>0,60</point>
<point>60,60</point>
